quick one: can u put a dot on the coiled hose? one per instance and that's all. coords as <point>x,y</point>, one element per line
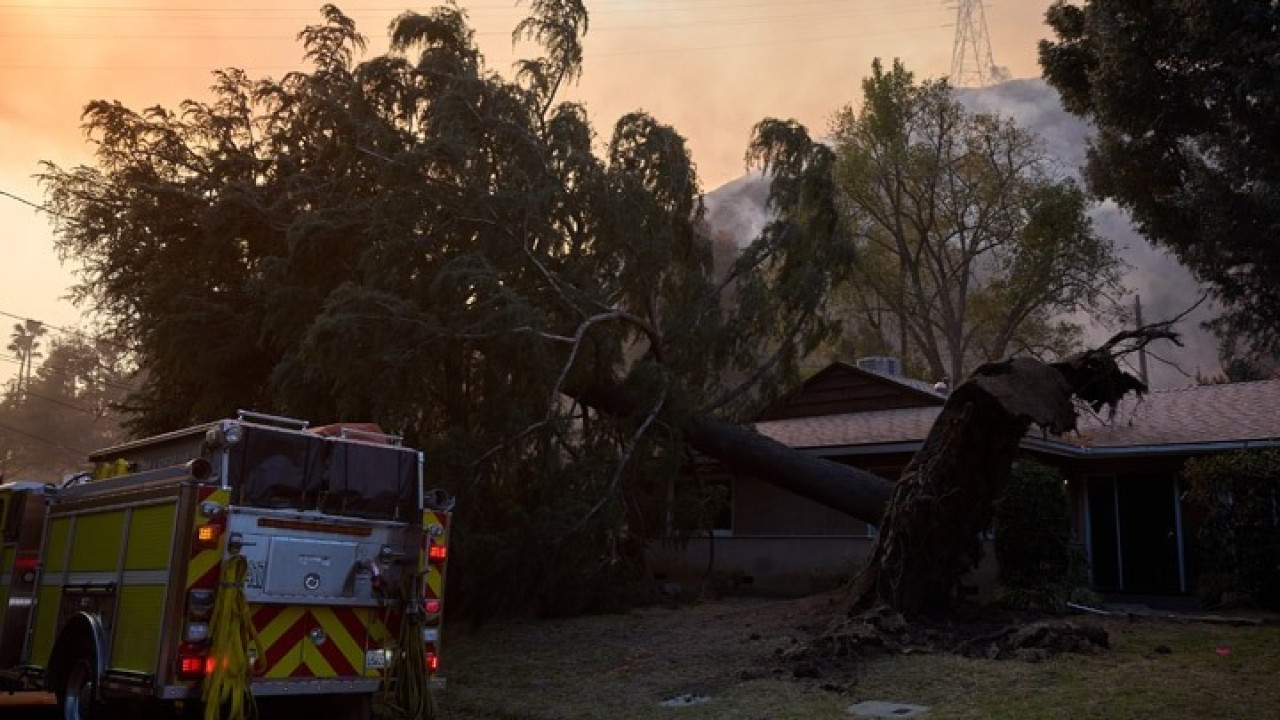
<point>407,693</point>
<point>232,632</point>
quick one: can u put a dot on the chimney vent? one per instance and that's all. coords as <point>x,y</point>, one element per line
<point>882,365</point>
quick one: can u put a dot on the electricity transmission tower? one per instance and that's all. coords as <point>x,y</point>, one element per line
<point>971,62</point>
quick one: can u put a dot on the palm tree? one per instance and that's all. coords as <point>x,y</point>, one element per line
<point>25,344</point>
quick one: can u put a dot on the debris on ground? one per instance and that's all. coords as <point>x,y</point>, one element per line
<point>879,709</point>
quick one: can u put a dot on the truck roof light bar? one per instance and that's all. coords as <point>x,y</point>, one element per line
<point>278,420</point>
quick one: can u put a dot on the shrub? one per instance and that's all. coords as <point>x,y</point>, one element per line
<point>1239,540</point>
<point>1032,539</point>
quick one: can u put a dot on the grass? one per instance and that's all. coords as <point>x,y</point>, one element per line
<point>621,667</point>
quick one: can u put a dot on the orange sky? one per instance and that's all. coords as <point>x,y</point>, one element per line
<point>711,68</point>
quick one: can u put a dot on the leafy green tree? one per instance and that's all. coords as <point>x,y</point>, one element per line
<point>969,244</point>
<point>1239,539</point>
<point>1185,101</point>
<point>66,410</point>
<point>1032,538</point>
<point>416,240</point>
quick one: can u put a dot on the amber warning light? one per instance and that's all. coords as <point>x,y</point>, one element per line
<point>207,534</point>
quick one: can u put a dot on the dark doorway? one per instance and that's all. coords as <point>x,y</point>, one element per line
<point>1148,534</point>
<point>1103,549</point>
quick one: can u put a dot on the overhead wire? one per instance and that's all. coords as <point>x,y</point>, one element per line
<point>840,11</point>
<point>65,331</point>
<point>43,324</point>
<point>785,13</point>
<point>63,372</point>
<point>39,438</point>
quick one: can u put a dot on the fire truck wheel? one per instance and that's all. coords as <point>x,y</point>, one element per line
<point>76,696</point>
<point>330,707</point>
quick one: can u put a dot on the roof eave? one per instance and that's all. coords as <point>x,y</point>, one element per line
<point>1053,447</point>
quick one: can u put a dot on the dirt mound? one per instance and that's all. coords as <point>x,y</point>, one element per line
<point>978,633</point>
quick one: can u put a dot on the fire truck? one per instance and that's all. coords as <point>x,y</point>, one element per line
<point>248,560</point>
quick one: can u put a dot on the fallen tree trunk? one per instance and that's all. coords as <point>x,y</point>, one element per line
<point>844,488</point>
<point>943,502</point>
<point>931,533</point>
<point>840,487</point>
<point>931,521</point>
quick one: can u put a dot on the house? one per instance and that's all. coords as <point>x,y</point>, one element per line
<point>1122,475</point>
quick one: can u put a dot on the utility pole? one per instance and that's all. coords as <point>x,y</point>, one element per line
<point>1142,349</point>
<point>972,64</point>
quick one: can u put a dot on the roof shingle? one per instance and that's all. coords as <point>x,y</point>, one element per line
<point>1199,414</point>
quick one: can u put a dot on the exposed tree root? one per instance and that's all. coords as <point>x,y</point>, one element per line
<point>991,636</point>
<point>943,502</point>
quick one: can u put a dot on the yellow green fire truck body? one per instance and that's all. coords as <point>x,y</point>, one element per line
<point>317,548</point>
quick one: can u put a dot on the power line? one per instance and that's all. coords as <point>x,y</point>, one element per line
<point>820,19</point>
<point>597,55</point>
<point>30,203</point>
<point>839,11</point>
<point>45,368</point>
<point>60,402</point>
<point>23,200</point>
<point>68,331</point>
<point>31,436</point>
<point>737,46</point>
<point>40,322</point>
<point>504,7</point>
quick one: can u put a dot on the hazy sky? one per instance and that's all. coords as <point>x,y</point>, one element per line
<point>710,68</point>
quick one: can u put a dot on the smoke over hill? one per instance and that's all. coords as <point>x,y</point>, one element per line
<point>1166,289</point>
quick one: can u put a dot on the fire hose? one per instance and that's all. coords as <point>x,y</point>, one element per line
<point>233,634</point>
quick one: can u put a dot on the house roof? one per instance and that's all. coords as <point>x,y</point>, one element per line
<point>842,388</point>
<point>1200,415</point>
<point>857,428</point>
<point>1193,415</point>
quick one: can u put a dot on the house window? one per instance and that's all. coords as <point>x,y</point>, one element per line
<point>699,503</point>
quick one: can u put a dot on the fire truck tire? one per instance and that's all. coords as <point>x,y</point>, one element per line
<point>353,707</point>
<point>329,707</point>
<point>76,696</point>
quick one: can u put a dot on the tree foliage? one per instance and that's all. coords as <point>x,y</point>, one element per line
<point>1032,538</point>
<point>1185,100</point>
<point>416,240</point>
<point>1239,540</point>
<point>970,245</point>
<point>64,410</point>
<point>25,344</point>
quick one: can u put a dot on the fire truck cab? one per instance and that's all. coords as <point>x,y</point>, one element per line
<point>312,558</point>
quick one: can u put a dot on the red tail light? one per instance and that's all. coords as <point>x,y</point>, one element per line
<point>192,663</point>
<point>438,553</point>
<point>432,607</point>
<point>24,567</point>
<point>433,662</point>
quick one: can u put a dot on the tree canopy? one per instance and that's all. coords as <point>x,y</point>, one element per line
<point>970,243</point>
<point>63,409</point>
<point>417,240</point>
<point>1185,99</point>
